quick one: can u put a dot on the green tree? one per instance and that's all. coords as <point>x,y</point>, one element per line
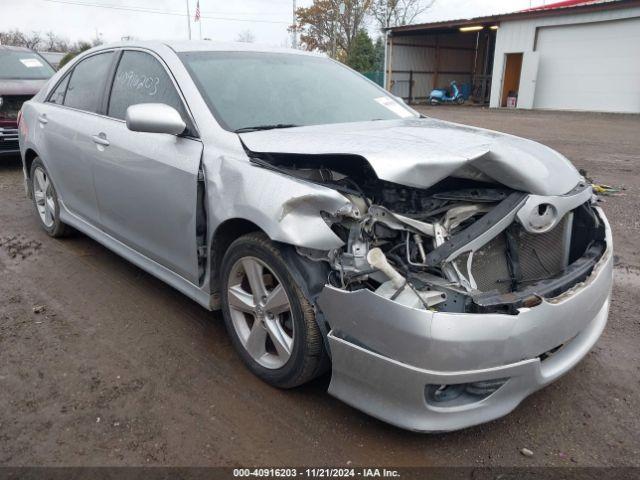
<point>378,49</point>
<point>80,47</point>
<point>361,57</point>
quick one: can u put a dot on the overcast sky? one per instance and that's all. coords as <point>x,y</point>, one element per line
<point>222,20</point>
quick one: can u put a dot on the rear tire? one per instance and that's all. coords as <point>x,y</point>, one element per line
<point>434,102</point>
<point>45,201</point>
<point>270,321</point>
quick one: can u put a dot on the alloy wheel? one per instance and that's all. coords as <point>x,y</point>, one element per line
<point>43,195</point>
<point>260,311</point>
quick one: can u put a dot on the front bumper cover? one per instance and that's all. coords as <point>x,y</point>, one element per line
<point>9,141</point>
<point>384,354</point>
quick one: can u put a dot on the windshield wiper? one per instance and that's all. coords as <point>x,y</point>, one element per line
<point>265,127</point>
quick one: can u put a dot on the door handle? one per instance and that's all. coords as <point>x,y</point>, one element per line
<point>101,139</point>
<point>43,119</point>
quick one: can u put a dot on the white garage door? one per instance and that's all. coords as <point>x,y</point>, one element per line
<point>590,67</point>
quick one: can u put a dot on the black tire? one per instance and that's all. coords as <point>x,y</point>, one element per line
<point>460,100</point>
<point>308,358</point>
<point>434,102</point>
<point>57,229</point>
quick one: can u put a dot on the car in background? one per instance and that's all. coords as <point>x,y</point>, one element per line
<point>54,58</point>
<point>23,72</point>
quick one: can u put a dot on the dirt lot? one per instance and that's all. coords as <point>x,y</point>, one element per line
<point>119,369</point>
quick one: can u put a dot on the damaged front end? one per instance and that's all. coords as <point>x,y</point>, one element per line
<point>461,245</point>
<point>447,305</point>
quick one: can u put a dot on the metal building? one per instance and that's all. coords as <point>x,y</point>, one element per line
<point>571,55</point>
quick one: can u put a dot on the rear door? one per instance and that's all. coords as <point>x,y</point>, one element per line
<point>68,120</point>
<point>146,183</point>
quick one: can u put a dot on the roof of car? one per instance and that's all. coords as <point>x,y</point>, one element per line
<point>181,46</point>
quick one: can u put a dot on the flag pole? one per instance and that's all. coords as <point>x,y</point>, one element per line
<point>198,18</point>
<point>188,19</point>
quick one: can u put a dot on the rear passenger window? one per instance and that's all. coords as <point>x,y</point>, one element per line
<point>87,83</point>
<point>140,78</point>
<point>57,96</point>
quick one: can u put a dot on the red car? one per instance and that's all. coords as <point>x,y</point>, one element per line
<point>22,73</point>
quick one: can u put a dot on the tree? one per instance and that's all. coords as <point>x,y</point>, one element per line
<point>392,13</point>
<point>378,52</point>
<point>331,26</point>
<point>17,38</point>
<point>362,54</point>
<point>78,49</point>
<point>53,43</point>
<point>246,36</point>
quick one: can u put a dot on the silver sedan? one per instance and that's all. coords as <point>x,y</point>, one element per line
<point>441,272</point>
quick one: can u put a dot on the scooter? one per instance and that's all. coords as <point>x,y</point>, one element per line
<point>439,96</point>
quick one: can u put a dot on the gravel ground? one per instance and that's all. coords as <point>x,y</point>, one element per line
<point>101,364</point>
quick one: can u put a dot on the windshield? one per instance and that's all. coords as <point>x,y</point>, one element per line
<point>249,90</point>
<point>23,65</point>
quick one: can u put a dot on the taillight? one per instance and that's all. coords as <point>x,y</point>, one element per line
<point>22,126</point>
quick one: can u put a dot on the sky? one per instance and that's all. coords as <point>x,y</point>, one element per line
<point>221,20</point>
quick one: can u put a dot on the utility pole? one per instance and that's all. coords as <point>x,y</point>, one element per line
<point>294,41</point>
<point>188,19</point>
<point>334,39</point>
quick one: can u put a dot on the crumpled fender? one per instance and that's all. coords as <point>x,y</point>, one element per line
<point>286,208</point>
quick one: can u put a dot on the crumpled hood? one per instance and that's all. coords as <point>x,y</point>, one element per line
<point>20,87</point>
<point>419,152</point>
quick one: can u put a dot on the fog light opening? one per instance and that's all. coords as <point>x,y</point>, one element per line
<point>462,393</point>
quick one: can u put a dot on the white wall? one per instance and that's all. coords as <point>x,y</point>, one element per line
<point>520,36</point>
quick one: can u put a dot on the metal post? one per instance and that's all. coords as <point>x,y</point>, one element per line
<point>390,66</point>
<point>410,86</point>
<point>188,19</point>
<point>294,41</point>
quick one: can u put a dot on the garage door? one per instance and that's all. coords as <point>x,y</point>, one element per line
<point>592,66</point>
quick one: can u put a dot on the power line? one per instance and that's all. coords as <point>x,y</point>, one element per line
<point>160,12</point>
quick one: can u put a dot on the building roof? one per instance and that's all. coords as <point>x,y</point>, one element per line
<point>559,8</point>
<point>564,4</point>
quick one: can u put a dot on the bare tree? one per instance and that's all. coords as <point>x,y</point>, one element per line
<point>33,41</point>
<point>54,43</point>
<point>17,38</point>
<point>246,36</point>
<point>393,13</point>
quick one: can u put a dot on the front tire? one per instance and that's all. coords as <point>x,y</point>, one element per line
<point>270,321</point>
<point>45,200</point>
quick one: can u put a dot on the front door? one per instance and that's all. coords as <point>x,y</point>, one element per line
<point>146,183</point>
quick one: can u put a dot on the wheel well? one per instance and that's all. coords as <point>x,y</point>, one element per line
<point>224,236</point>
<point>29,157</point>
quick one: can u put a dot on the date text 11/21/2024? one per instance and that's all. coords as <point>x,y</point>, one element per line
<point>316,472</point>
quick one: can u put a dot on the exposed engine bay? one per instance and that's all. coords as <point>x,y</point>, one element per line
<point>465,244</point>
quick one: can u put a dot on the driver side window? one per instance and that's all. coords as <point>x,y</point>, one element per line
<point>140,78</point>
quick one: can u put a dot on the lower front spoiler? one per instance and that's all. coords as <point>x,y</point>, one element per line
<point>14,153</point>
<point>396,392</point>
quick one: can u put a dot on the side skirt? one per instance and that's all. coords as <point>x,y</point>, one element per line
<point>154,268</point>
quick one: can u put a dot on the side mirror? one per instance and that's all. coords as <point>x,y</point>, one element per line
<point>154,118</point>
